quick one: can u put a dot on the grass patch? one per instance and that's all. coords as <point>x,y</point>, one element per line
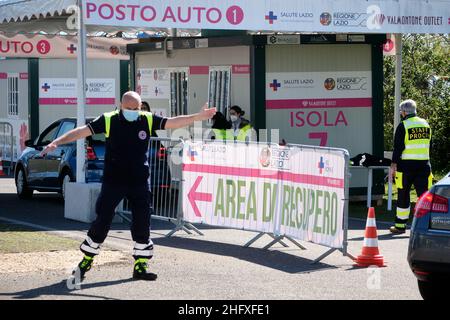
<point>20,239</point>
<point>359,209</point>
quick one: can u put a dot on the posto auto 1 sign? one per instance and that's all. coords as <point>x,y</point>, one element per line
<point>163,13</point>
<point>388,16</point>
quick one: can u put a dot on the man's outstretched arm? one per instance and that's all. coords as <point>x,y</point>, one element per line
<point>184,121</point>
<point>72,135</point>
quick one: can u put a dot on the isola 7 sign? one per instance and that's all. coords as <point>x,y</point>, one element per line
<point>285,190</point>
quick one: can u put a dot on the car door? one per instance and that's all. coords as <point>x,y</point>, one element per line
<point>37,167</point>
<point>55,159</point>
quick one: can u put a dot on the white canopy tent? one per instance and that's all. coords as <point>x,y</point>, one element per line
<point>60,16</point>
<point>332,16</point>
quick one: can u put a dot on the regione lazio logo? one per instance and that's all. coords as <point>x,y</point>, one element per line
<point>114,50</point>
<point>329,84</point>
<point>264,157</point>
<point>142,135</point>
<point>325,19</point>
<point>275,85</point>
<point>271,17</point>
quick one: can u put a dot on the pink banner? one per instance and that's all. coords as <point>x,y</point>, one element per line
<point>266,174</point>
<point>198,70</point>
<point>241,69</point>
<point>319,103</point>
<point>40,46</point>
<point>72,101</point>
<point>3,75</point>
<point>236,69</point>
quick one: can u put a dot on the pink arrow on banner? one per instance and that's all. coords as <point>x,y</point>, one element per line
<point>194,196</point>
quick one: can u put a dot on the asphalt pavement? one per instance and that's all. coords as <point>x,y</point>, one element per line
<point>213,266</point>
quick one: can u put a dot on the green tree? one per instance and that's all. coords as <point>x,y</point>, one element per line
<point>425,79</point>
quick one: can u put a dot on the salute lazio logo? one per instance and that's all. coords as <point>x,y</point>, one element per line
<point>192,153</point>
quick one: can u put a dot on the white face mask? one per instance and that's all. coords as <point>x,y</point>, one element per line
<point>234,118</point>
<point>130,115</point>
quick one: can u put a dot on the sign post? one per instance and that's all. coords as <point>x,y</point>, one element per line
<point>81,95</point>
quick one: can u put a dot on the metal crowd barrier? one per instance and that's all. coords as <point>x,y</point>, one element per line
<point>164,160</point>
<point>278,237</point>
<point>7,146</point>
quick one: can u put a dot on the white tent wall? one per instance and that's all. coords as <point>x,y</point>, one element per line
<point>14,67</point>
<point>67,68</point>
<point>303,62</point>
<point>198,83</point>
<point>19,120</point>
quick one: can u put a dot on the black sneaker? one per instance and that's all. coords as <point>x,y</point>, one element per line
<point>140,271</point>
<point>84,266</point>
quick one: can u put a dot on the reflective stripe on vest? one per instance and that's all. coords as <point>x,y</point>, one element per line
<point>242,135</point>
<point>109,115</point>
<point>223,134</point>
<point>417,139</point>
<point>149,116</point>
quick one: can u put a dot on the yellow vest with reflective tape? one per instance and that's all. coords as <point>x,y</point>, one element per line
<point>223,134</point>
<point>417,139</point>
<point>242,135</point>
<point>109,115</point>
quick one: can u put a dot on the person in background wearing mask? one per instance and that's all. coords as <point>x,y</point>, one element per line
<point>241,127</point>
<point>126,174</point>
<point>410,161</point>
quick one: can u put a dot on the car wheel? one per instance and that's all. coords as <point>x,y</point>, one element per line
<point>431,290</point>
<point>22,187</point>
<point>64,180</point>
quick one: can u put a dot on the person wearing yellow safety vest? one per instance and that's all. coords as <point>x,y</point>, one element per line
<point>410,161</point>
<point>126,173</point>
<point>221,128</point>
<point>241,128</point>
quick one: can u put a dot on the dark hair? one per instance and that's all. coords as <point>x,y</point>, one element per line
<point>238,110</point>
<point>145,106</point>
<point>220,122</point>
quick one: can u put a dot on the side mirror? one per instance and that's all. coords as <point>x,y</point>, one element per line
<point>29,143</point>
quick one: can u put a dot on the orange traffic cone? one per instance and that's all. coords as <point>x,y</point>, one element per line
<point>1,167</point>
<point>370,255</point>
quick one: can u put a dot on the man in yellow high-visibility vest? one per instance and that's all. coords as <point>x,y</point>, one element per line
<point>126,173</point>
<point>410,161</point>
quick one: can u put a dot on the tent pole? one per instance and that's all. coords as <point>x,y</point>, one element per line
<point>398,78</point>
<point>81,95</point>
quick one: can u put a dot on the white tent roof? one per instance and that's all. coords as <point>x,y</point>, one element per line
<point>21,10</point>
<point>50,16</point>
